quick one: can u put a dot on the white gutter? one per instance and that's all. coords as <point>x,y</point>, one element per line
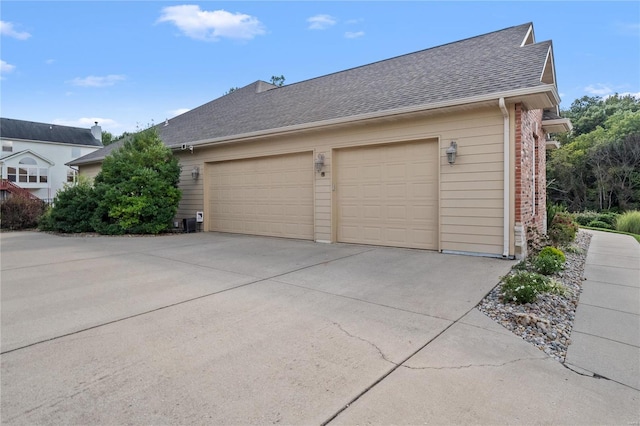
<point>507,183</point>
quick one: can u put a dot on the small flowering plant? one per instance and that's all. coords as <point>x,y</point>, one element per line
<point>524,287</point>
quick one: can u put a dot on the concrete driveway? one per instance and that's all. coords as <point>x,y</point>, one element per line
<point>226,329</point>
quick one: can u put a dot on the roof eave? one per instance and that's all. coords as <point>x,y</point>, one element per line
<point>559,125</point>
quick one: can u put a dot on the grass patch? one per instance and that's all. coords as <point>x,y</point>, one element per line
<point>636,236</point>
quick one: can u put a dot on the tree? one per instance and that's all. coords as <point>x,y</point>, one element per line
<point>277,80</point>
<point>137,188</point>
<point>598,165</point>
<point>231,90</point>
<point>590,112</point>
<point>107,138</point>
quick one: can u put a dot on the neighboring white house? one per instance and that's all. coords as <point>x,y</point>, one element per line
<point>34,155</point>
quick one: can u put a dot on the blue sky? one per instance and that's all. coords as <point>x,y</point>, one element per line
<point>127,64</point>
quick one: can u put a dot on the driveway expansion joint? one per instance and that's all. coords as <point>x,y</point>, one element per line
<point>586,373</point>
<point>181,302</point>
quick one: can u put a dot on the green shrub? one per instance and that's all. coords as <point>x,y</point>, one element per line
<point>72,209</point>
<point>563,229</point>
<point>629,222</point>
<point>524,287</point>
<point>554,252</point>
<point>599,224</point>
<point>20,212</point>
<point>137,188</point>
<point>584,218</point>
<point>609,217</point>
<point>549,261</point>
<point>588,217</point>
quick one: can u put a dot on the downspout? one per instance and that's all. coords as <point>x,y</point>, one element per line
<point>507,184</point>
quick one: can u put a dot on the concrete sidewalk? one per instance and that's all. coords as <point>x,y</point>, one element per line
<point>606,331</point>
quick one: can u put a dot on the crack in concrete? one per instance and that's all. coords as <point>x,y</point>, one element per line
<point>366,341</point>
<point>460,367</point>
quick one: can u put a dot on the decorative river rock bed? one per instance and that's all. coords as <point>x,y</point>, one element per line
<point>547,322</point>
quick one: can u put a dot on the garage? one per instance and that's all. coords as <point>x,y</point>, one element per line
<point>270,196</point>
<point>388,195</point>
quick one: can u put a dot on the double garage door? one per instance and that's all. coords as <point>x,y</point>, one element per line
<point>384,195</point>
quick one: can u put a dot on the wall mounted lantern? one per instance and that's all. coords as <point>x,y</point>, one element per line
<point>319,162</point>
<point>195,172</point>
<point>451,152</point>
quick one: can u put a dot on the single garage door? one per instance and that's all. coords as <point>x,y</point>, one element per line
<point>388,195</point>
<point>263,196</point>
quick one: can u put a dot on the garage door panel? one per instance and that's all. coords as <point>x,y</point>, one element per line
<point>387,195</point>
<point>263,196</point>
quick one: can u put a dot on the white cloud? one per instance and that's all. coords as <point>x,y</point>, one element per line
<point>179,111</point>
<point>321,22</point>
<point>86,122</point>
<point>5,67</point>
<point>350,34</point>
<point>95,81</point>
<point>623,94</point>
<point>49,61</point>
<point>632,29</point>
<point>353,21</point>
<point>6,28</point>
<point>598,89</point>
<point>212,25</point>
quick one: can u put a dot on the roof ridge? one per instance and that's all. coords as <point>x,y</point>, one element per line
<point>44,124</point>
<point>528,24</point>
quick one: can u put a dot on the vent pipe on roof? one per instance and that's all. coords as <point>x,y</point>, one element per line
<point>96,131</point>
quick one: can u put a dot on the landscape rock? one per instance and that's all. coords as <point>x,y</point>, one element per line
<point>546,323</point>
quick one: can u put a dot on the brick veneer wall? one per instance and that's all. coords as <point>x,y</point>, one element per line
<point>530,181</point>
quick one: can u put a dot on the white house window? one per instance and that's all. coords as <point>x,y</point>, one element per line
<point>28,172</point>
<point>75,151</point>
<point>7,146</point>
<point>12,174</point>
<point>71,175</point>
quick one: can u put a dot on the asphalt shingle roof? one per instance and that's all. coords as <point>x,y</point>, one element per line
<point>491,63</point>
<point>29,130</point>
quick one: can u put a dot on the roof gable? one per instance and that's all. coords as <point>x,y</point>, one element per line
<point>548,75</point>
<point>44,132</point>
<point>25,153</point>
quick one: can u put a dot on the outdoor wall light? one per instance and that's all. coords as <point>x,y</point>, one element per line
<point>195,172</point>
<point>319,162</point>
<point>451,152</point>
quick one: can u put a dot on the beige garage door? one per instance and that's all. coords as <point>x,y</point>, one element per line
<point>263,196</point>
<point>388,195</point>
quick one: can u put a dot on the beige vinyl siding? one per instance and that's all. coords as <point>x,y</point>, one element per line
<point>470,191</point>
<point>192,190</point>
<point>90,170</point>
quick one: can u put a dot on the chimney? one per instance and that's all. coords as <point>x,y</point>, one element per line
<point>96,131</point>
